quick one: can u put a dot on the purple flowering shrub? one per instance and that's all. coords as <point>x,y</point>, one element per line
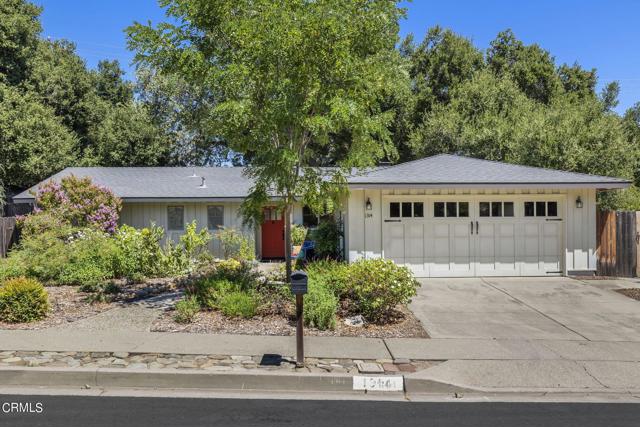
<point>80,203</point>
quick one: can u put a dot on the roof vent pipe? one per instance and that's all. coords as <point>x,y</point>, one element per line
<point>203,183</point>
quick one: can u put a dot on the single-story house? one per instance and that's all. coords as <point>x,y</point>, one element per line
<point>442,216</point>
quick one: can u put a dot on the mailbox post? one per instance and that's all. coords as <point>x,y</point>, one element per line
<point>299,282</point>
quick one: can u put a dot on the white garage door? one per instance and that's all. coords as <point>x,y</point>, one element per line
<point>518,236</point>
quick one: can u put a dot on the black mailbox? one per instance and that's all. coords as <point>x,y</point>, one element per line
<point>299,281</point>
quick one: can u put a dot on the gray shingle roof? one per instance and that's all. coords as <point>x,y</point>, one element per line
<point>163,182</point>
<point>230,183</point>
<point>460,171</point>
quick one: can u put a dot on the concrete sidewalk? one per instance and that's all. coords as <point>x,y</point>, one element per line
<point>320,347</point>
<point>463,364</point>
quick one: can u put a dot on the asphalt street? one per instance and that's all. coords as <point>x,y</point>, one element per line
<point>70,411</point>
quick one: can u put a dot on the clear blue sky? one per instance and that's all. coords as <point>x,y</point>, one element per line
<point>599,34</point>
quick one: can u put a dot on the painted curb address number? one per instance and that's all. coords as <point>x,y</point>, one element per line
<point>378,383</point>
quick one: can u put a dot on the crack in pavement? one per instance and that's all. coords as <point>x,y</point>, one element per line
<point>483,280</point>
<point>592,376</point>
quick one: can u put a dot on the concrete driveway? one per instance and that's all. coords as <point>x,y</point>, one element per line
<point>528,308</point>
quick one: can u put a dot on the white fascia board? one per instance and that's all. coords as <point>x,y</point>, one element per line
<point>558,186</point>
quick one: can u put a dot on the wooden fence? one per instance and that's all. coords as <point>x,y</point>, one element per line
<point>8,234</point>
<point>617,243</point>
<point>16,209</point>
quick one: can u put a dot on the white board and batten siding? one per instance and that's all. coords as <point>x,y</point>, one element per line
<point>140,215</point>
<point>473,244</point>
<point>143,214</point>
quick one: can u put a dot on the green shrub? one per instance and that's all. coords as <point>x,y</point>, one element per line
<point>379,285</point>
<point>235,244</point>
<point>240,273</point>
<point>327,238</point>
<point>140,254</point>
<point>12,266</point>
<point>187,309</point>
<point>320,306</point>
<point>44,255</point>
<point>92,259</point>
<point>238,304</point>
<point>35,224</point>
<point>333,274</point>
<point>186,256</point>
<point>23,300</point>
<point>209,290</point>
<point>298,234</point>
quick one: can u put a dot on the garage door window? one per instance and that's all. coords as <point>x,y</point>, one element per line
<point>406,210</point>
<point>496,209</point>
<point>451,209</point>
<point>544,209</point>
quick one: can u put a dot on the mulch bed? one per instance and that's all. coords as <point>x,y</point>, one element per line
<point>67,305</point>
<point>405,325</point>
<point>630,292</point>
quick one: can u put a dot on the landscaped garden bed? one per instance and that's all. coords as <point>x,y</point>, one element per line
<point>213,322</point>
<point>367,298</point>
<point>67,304</point>
<point>74,261</point>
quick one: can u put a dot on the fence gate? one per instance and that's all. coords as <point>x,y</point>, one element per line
<point>617,243</point>
<point>8,234</point>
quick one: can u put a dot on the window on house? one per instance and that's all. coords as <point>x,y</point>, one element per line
<point>394,210</point>
<point>406,209</point>
<point>309,219</point>
<point>175,218</point>
<point>529,209</point>
<point>215,217</point>
<point>540,208</point>
<point>271,214</point>
<point>508,209</point>
<point>450,209</point>
<point>496,208</point>
<point>418,210</point>
<point>438,209</point>
<point>463,209</point>
<point>485,209</point>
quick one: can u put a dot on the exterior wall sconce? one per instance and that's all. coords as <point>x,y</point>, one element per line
<point>579,203</point>
<point>368,204</point>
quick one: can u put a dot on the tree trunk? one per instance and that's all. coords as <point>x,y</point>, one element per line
<point>287,241</point>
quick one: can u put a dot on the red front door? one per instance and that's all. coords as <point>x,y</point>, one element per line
<point>272,234</point>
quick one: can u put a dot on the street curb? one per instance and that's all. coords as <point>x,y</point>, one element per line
<point>424,386</point>
<point>200,379</point>
<point>174,379</point>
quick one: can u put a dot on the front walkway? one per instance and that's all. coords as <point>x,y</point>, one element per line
<point>528,309</point>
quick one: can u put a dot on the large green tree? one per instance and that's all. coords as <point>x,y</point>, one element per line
<point>19,30</point>
<point>33,141</point>
<point>57,112</point>
<point>286,76</point>
<point>531,67</point>
<point>489,117</point>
